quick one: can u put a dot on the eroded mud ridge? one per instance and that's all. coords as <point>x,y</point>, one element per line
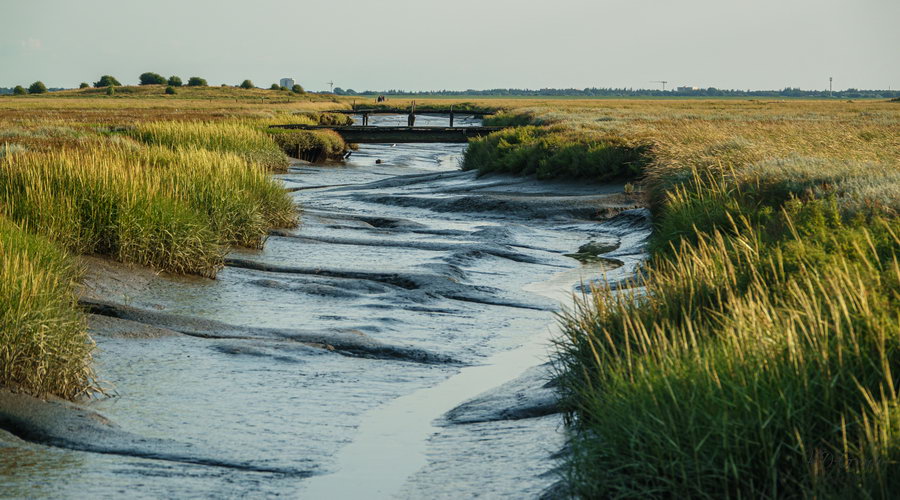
<point>395,339</point>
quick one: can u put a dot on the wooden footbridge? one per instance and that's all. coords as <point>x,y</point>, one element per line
<point>358,134</point>
<point>403,111</point>
<point>365,134</point>
<point>384,110</point>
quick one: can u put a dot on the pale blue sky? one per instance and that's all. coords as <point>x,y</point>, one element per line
<point>457,44</point>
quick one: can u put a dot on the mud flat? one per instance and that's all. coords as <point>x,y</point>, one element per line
<point>392,346</point>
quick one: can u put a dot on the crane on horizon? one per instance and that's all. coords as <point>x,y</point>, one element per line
<point>331,86</point>
<point>663,82</point>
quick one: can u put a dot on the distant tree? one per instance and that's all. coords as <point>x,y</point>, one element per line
<point>37,88</point>
<point>297,89</point>
<point>19,90</point>
<point>275,86</point>
<point>338,91</point>
<point>175,81</point>
<point>152,79</point>
<point>84,85</point>
<point>107,81</point>
<point>170,90</point>
<point>246,84</point>
<point>196,81</point>
<point>111,90</point>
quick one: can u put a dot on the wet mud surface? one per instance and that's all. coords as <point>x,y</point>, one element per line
<point>391,346</point>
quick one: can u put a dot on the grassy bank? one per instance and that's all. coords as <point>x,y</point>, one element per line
<point>758,356</point>
<point>44,347</point>
<point>558,151</point>
<point>238,138</point>
<point>311,145</point>
<point>170,194</point>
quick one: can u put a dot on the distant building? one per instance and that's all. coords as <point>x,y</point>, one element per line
<point>687,89</point>
<point>287,82</point>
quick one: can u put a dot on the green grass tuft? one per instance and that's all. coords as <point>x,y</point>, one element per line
<point>550,152</point>
<point>311,145</point>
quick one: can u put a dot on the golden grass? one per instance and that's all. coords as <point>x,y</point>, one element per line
<point>152,104</point>
<point>44,348</point>
<point>175,210</point>
<point>759,357</point>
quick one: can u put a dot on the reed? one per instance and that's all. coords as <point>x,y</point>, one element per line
<point>174,210</point>
<point>226,137</point>
<point>311,145</point>
<point>736,374</point>
<point>557,151</point>
<point>44,347</point>
<point>757,355</point>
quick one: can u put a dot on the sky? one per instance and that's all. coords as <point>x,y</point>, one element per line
<point>457,44</point>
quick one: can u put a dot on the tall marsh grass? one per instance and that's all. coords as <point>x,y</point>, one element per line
<point>311,145</point>
<point>759,355</point>
<point>174,210</point>
<point>44,347</point>
<point>557,151</point>
<point>742,371</point>
<point>234,137</point>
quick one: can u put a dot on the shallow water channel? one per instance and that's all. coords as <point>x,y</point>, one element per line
<point>391,346</point>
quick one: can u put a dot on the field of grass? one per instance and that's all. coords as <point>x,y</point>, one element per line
<point>150,103</point>
<point>758,355</point>
<point>129,180</point>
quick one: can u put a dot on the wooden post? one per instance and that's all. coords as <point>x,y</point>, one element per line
<point>411,121</point>
<point>451,116</point>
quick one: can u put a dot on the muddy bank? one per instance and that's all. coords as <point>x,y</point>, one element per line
<point>533,394</point>
<point>156,323</point>
<point>390,339</point>
<point>65,425</point>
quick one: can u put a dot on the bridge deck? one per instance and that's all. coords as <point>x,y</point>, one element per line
<point>422,110</point>
<point>384,135</point>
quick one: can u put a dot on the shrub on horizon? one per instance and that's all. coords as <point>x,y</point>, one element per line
<point>37,87</point>
<point>196,81</point>
<point>107,81</point>
<point>246,84</point>
<point>84,85</point>
<point>275,86</point>
<point>19,90</point>
<point>152,79</point>
<point>297,89</point>
<point>175,81</point>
